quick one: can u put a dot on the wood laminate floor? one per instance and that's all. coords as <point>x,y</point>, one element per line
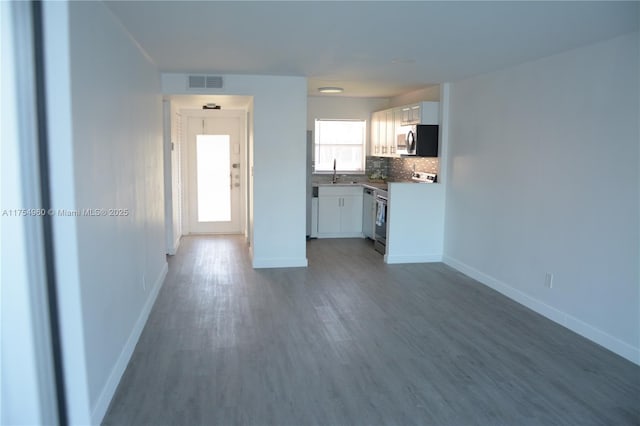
<point>353,341</point>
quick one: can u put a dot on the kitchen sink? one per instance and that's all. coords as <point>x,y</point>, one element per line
<point>340,183</point>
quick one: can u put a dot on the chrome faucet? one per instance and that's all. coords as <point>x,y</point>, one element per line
<point>335,178</point>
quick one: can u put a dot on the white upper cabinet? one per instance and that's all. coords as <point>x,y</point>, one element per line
<point>421,113</point>
<point>376,121</point>
<point>406,115</point>
<point>397,123</point>
<point>411,114</point>
<point>415,114</point>
<point>390,134</point>
<point>385,125</point>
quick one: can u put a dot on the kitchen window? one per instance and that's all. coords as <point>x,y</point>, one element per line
<point>343,141</point>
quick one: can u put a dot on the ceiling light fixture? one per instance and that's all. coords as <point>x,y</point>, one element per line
<point>330,90</point>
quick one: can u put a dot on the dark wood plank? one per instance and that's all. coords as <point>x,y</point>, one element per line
<point>353,341</point>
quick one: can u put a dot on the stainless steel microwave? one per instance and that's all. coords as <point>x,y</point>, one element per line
<point>420,140</point>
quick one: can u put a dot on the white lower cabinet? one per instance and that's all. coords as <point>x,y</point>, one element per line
<point>339,211</point>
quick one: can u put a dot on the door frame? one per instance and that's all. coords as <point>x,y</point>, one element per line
<point>220,114</point>
<point>34,336</point>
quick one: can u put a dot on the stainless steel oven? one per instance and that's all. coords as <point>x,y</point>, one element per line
<point>382,201</point>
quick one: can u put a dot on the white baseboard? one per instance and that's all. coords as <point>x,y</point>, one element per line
<point>109,389</point>
<point>259,263</point>
<point>574,324</point>
<point>412,258</point>
<point>339,235</point>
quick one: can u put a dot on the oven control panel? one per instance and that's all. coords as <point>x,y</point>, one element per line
<point>424,177</point>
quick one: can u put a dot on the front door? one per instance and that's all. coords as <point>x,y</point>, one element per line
<point>214,171</point>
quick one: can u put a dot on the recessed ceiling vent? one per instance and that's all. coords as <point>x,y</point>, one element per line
<point>204,82</point>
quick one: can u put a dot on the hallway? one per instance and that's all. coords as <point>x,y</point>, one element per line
<point>353,341</point>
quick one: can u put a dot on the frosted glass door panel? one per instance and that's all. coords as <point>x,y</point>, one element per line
<point>213,178</point>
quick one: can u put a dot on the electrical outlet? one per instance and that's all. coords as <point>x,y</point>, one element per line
<point>548,280</point>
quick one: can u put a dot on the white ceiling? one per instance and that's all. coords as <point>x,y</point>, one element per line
<point>372,49</point>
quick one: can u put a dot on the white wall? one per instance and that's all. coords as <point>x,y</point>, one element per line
<point>176,177</point>
<point>278,151</point>
<point>249,177</point>
<point>340,107</point>
<point>279,173</point>
<point>429,93</point>
<point>414,237</point>
<point>172,175</point>
<point>168,177</point>
<point>106,130</point>
<point>543,177</point>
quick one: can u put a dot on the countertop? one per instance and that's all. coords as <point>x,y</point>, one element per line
<point>372,185</point>
<point>376,185</point>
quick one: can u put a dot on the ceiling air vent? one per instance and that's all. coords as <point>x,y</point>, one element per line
<point>214,82</point>
<point>205,82</point>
